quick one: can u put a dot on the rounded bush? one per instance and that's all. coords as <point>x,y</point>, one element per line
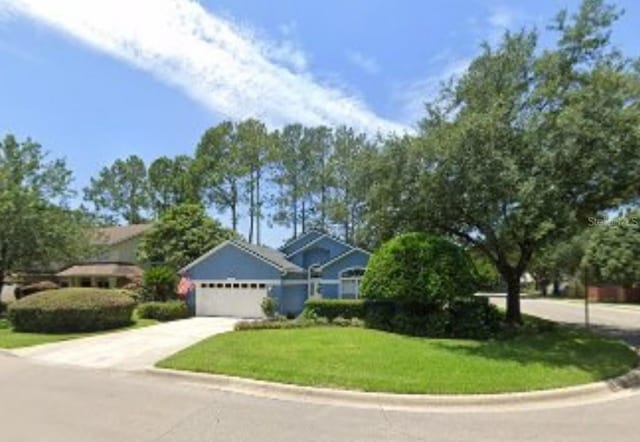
<point>72,310</point>
<point>416,267</point>
<point>163,311</point>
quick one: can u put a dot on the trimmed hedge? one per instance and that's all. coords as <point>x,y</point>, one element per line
<point>163,311</point>
<point>332,308</point>
<point>471,318</point>
<point>72,310</point>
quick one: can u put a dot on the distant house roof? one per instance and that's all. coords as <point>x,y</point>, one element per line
<point>102,269</point>
<point>108,236</point>
<point>300,240</point>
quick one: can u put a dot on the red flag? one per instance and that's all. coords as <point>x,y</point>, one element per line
<point>184,287</point>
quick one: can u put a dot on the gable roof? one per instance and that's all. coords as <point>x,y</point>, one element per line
<point>299,239</point>
<point>344,255</point>
<point>273,257</point>
<point>109,236</point>
<point>317,240</point>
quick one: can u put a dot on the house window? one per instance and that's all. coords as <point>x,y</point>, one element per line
<point>261,286</point>
<point>244,285</point>
<point>227,285</point>
<point>211,285</point>
<point>203,285</point>
<point>102,283</point>
<point>220,285</point>
<point>350,280</point>
<point>254,285</point>
<point>85,282</point>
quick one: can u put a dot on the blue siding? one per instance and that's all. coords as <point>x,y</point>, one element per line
<point>355,259</point>
<point>231,262</point>
<point>292,298</point>
<point>329,290</point>
<point>300,242</point>
<point>322,251</point>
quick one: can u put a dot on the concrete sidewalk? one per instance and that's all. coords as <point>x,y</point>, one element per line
<point>129,350</point>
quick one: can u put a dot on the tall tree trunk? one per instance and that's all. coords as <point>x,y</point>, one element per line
<point>512,279</point>
<point>252,205</point>
<point>1,280</point>
<point>556,286</point>
<point>295,217</point>
<point>304,218</point>
<point>258,206</point>
<point>233,205</point>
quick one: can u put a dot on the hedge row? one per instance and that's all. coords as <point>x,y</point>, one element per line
<point>472,317</point>
<point>72,310</point>
<point>163,311</point>
<point>332,308</point>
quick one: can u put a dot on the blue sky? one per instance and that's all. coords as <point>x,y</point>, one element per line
<point>96,80</point>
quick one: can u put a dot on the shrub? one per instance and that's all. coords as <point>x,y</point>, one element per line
<point>473,318</point>
<point>269,306</point>
<point>72,310</point>
<point>419,268</point>
<point>332,308</point>
<point>159,284</point>
<point>30,289</point>
<point>163,311</point>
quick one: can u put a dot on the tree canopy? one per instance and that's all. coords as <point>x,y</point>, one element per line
<point>182,234</point>
<point>121,190</point>
<point>613,251</point>
<point>524,146</point>
<point>38,231</point>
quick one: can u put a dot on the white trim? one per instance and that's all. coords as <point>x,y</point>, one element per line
<point>237,246</point>
<point>356,279</point>
<point>275,282</point>
<point>343,255</point>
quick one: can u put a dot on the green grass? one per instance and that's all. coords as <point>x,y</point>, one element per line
<point>369,360</point>
<point>12,339</point>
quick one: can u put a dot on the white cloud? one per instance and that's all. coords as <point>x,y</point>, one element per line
<point>220,64</point>
<point>414,95</point>
<point>364,62</point>
<point>502,18</point>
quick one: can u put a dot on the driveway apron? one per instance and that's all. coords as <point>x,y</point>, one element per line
<point>129,350</point>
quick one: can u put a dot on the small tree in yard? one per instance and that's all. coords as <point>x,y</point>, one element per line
<point>416,267</point>
<point>527,145</point>
<point>36,230</point>
<point>182,234</point>
<point>613,251</point>
<point>159,284</point>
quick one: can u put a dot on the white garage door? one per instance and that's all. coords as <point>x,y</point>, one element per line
<point>236,302</point>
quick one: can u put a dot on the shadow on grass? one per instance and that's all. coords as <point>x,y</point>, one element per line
<point>567,347</point>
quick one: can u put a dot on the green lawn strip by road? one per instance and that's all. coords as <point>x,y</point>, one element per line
<point>369,360</point>
<point>12,339</point>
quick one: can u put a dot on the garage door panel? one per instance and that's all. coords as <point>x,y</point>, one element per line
<point>239,302</point>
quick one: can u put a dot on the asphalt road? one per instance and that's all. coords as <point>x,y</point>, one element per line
<point>619,320</point>
<point>56,403</point>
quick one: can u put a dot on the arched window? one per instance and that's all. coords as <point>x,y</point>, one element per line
<point>350,282</point>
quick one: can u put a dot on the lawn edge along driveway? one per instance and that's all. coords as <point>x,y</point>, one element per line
<point>374,361</point>
<point>10,339</point>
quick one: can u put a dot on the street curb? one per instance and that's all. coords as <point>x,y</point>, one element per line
<point>597,391</point>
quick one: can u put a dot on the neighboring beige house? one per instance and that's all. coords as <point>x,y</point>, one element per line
<point>115,265</point>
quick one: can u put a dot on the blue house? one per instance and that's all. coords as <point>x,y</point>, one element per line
<point>233,278</point>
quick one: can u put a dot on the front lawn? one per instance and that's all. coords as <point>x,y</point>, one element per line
<point>12,339</point>
<point>370,360</point>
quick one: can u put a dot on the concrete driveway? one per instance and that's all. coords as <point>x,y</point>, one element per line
<point>129,350</point>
